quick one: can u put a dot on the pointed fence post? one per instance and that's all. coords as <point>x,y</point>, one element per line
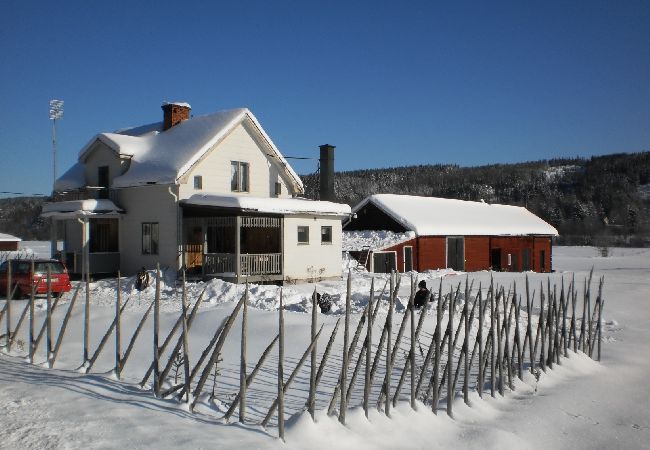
<point>368,343</point>
<point>412,312</point>
<point>311,402</point>
<point>118,345</point>
<point>242,366</point>
<point>8,306</point>
<point>479,337</point>
<point>438,351</point>
<point>48,335</point>
<point>493,335</point>
<point>31,317</point>
<point>156,329</point>
<point>466,344</point>
<point>389,332</point>
<point>281,370</point>
<point>186,345</point>
<point>542,328</point>
<point>346,338</point>
<point>450,354</point>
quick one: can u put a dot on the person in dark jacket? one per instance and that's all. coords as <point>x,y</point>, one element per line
<point>422,295</point>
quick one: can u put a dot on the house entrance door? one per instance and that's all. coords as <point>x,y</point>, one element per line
<point>495,259</point>
<point>456,253</point>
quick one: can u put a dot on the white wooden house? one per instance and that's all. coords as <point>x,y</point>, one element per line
<point>211,194</point>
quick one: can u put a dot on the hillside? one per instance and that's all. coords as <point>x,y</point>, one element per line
<point>602,200</point>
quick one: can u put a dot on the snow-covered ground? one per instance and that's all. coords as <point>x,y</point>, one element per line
<point>580,404</point>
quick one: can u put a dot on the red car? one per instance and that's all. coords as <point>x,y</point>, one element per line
<point>23,279</point>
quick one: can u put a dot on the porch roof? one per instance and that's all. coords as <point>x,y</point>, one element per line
<point>269,204</point>
<point>80,208</point>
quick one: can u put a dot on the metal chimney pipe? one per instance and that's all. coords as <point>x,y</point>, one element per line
<point>327,173</point>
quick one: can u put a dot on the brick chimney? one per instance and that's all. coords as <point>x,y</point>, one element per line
<point>174,113</point>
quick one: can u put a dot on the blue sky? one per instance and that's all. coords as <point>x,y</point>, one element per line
<point>388,83</point>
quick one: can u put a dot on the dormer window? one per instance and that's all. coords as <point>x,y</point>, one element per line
<point>239,176</point>
<point>198,182</point>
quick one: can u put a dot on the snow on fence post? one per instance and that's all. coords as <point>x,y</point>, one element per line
<point>118,349</point>
<point>281,370</point>
<point>156,329</point>
<point>186,345</point>
<point>242,365</point>
<point>48,336</point>
<point>368,344</point>
<point>8,307</point>
<point>311,402</point>
<point>346,337</point>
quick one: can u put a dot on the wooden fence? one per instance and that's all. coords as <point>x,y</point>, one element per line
<point>482,340</point>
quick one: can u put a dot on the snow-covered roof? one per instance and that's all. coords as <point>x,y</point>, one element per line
<point>8,238</point>
<point>433,216</point>
<point>80,208</point>
<point>159,157</point>
<point>269,205</point>
<point>375,240</point>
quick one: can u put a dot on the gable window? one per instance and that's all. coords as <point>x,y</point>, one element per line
<point>303,235</point>
<point>326,235</point>
<point>149,238</point>
<point>198,182</point>
<point>103,181</point>
<point>238,176</point>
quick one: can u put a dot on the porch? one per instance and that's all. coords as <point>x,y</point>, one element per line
<point>235,248</point>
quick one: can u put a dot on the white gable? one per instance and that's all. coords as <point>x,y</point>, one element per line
<point>433,216</point>
<point>159,157</point>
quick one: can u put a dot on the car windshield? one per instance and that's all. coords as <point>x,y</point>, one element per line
<point>55,267</point>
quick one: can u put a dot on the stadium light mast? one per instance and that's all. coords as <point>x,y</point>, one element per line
<point>56,112</point>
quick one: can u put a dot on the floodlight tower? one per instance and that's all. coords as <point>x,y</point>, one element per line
<point>56,112</point>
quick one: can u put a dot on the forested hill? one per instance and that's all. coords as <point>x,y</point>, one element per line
<point>603,200</point>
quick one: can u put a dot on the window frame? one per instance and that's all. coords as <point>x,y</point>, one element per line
<point>241,171</point>
<point>303,228</point>
<point>322,228</point>
<point>151,241</point>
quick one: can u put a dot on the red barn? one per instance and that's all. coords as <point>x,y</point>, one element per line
<point>406,232</point>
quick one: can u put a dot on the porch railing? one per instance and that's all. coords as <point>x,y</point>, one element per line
<point>250,264</point>
<point>261,264</point>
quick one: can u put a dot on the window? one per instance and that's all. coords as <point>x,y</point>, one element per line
<point>326,235</point>
<point>278,189</point>
<point>198,182</point>
<point>149,238</point>
<point>238,176</point>
<point>103,235</point>
<point>103,181</point>
<point>303,235</point>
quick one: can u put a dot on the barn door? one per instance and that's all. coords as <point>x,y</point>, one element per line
<point>456,253</point>
<point>384,262</point>
<point>526,260</point>
<point>408,258</point>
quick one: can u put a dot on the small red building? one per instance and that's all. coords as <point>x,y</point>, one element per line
<point>8,243</point>
<point>406,233</point>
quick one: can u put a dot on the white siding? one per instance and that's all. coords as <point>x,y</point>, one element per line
<point>240,145</point>
<point>313,260</point>
<point>147,204</point>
